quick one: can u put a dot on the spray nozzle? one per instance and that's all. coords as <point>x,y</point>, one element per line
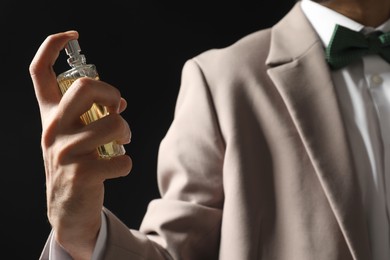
<point>72,47</point>
<point>73,50</point>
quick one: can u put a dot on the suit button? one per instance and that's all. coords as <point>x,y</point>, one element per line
<point>376,79</point>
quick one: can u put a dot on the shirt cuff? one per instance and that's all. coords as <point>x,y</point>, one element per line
<point>57,252</point>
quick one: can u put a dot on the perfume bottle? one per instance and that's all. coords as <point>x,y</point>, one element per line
<point>79,68</point>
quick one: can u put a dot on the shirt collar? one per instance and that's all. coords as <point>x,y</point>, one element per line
<point>324,19</point>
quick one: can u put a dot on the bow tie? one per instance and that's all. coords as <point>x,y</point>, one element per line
<point>347,46</point>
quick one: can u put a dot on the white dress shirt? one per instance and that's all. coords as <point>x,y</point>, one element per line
<point>363,90</point>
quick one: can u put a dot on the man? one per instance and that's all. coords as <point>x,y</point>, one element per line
<point>273,153</point>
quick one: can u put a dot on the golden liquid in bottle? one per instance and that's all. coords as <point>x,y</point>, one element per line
<point>94,113</point>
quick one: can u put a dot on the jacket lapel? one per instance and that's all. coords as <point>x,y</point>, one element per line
<point>299,72</point>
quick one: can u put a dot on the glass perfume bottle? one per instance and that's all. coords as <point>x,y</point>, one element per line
<point>79,68</point>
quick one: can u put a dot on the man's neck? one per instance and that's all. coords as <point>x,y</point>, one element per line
<point>367,12</point>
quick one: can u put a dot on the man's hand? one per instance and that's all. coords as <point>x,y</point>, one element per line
<point>75,173</point>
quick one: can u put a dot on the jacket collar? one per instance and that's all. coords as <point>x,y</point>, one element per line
<point>291,38</point>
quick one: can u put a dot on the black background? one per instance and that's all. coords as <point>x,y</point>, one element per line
<point>138,46</point>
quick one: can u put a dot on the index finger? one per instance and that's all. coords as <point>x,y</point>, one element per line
<point>41,67</point>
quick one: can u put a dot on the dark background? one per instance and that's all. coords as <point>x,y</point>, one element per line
<point>140,47</point>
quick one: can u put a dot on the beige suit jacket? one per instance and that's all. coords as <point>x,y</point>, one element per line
<point>256,164</point>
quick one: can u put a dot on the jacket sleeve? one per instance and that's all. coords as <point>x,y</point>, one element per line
<point>185,222</point>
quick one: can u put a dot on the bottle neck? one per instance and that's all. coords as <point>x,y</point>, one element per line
<point>76,60</point>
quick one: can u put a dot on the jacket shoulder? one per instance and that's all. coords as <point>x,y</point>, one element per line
<point>248,51</point>
<point>242,61</point>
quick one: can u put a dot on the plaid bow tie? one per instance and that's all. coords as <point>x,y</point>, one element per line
<point>347,46</point>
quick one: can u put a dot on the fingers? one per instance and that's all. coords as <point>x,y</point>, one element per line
<point>83,93</point>
<point>41,67</point>
<point>101,134</point>
<point>91,172</point>
<point>122,105</point>
<point>97,133</point>
<point>64,138</point>
<point>119,166</point>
